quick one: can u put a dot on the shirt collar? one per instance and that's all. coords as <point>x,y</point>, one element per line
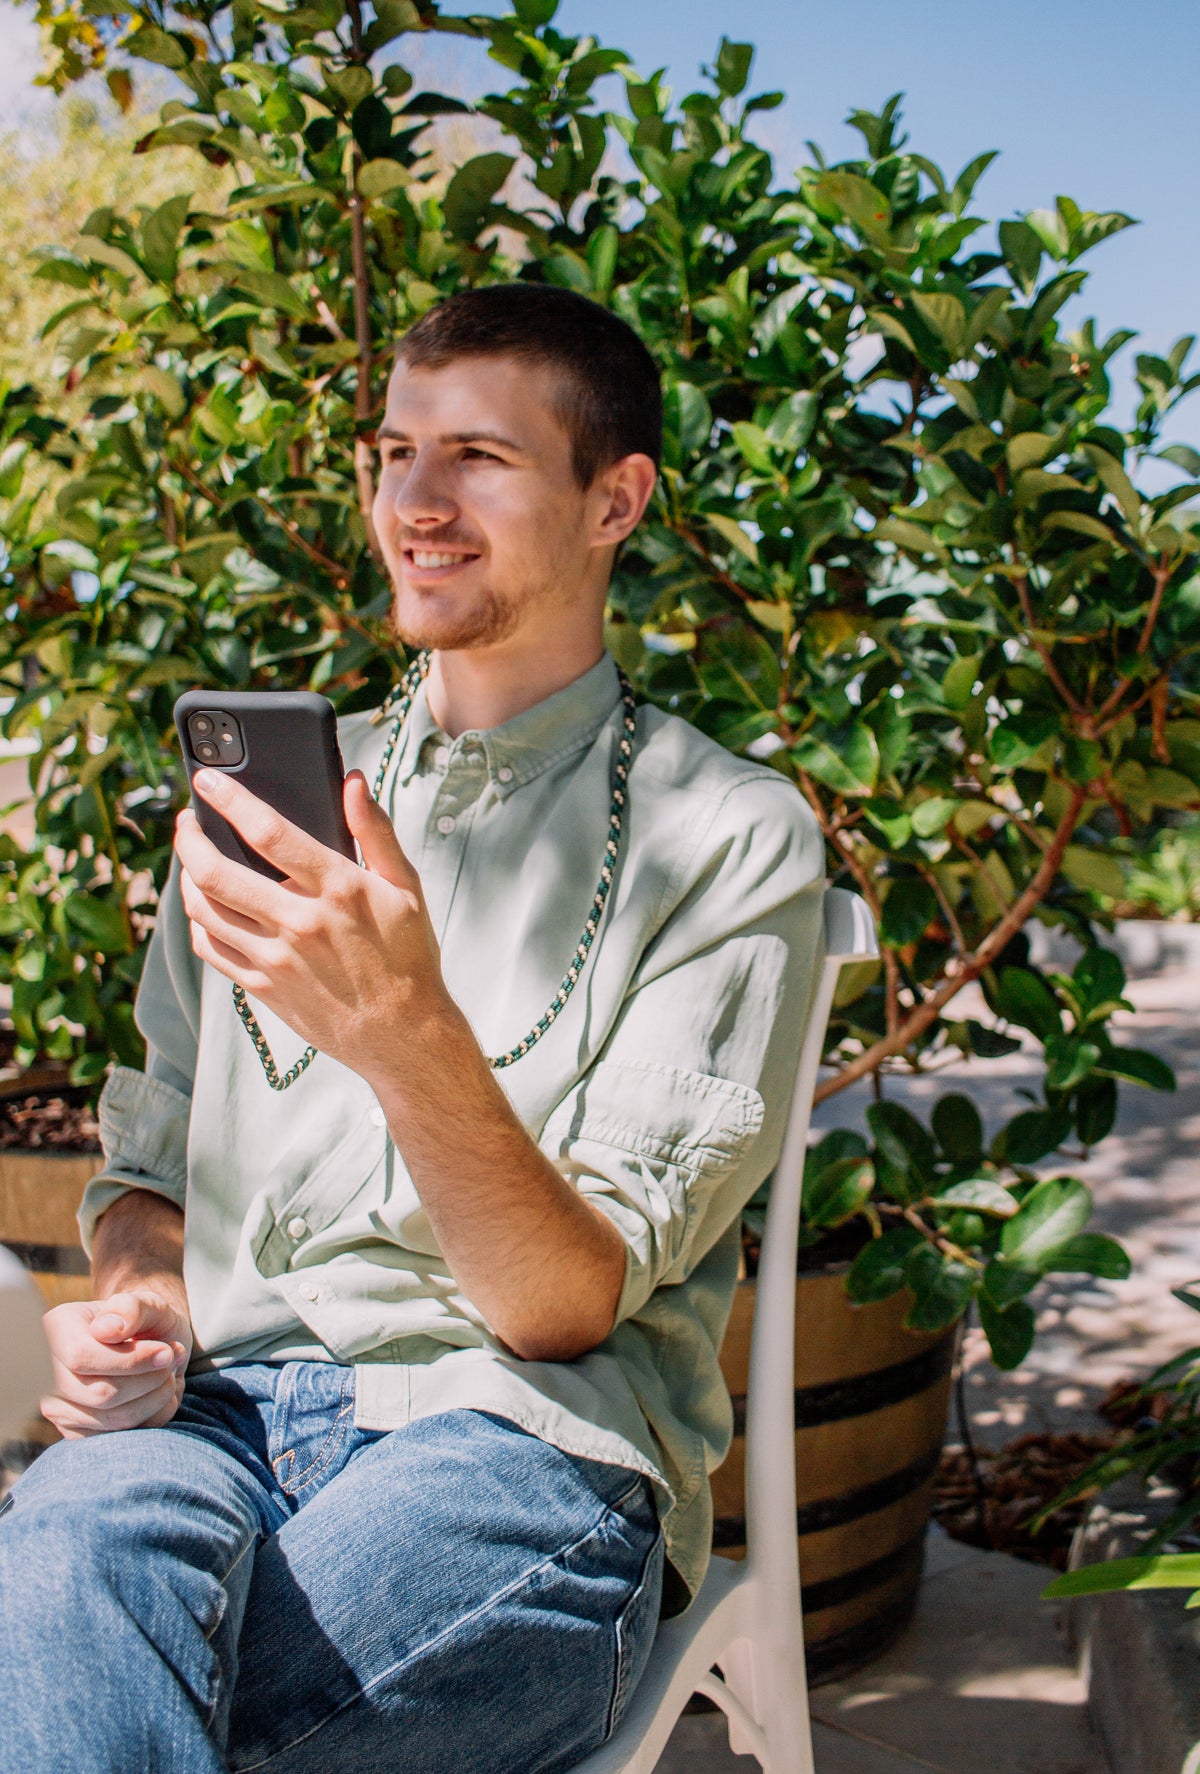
<point>522,748</point>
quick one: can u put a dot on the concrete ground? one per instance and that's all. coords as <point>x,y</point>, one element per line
<point>981,1683</point>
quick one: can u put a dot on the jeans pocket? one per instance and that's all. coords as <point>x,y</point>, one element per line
<point>636,1625</point>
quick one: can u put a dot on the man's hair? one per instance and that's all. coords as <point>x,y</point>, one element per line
<point>609,398</point>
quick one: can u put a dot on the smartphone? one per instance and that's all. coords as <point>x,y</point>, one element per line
<point>282,744</point>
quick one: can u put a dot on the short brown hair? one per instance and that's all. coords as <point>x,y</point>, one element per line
<point>609,394</point>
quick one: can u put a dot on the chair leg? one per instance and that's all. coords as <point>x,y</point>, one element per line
<point>770,1683</point>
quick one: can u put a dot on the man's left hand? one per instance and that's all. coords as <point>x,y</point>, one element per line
<point>345,955</point>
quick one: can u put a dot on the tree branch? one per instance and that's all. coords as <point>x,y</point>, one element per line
<point>364,404</point>
<point>992,945</point>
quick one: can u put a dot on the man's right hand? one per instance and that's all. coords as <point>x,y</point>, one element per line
<point>118,1363</point>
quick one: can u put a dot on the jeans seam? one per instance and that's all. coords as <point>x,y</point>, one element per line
<point>621,1681</point>
<point>493,1601</point>
<point>300,1481</point>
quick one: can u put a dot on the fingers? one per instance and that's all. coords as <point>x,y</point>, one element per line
<point>375,835</point>
<point>117,1364</point>
<point>148,1411</point>
<point>292,850</point>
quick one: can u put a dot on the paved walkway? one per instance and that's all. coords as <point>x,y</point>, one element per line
<point>981,1683</point>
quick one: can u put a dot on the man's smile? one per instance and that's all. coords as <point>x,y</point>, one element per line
<point>436,562</point>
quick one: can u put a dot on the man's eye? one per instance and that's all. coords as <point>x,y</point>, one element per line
<point>481,455</point>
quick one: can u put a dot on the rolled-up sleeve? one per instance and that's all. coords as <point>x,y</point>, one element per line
<point>681,1117</point>
<point>144,1116</point>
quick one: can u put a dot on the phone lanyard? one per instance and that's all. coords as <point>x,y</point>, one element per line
<point>401,699</point>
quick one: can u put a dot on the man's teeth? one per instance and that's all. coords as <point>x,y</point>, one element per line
<point>422,558</point>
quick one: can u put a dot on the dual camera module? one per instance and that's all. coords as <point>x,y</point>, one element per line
<point>215,737</point>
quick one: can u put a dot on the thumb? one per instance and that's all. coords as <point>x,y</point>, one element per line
<point>375,835</point>
<point>125,1316</point>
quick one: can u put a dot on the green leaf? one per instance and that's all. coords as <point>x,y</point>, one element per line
<point>1013,742</point>
<point>273,291</point>
<point>533,14</point>
<point>1095,1110</point>
<point>1005,1282</point>
<point>1023,997</point>
<point>1136,1067</point>
<point>848,760</point>
<point>1032,1135</point>
<point>958,1128</point>
<point>839,1191</point>
<point>471,190</point>
<point>858,199</point>
<point>160,237</point>
<point>791,424</point>
<point>754,445</point>
<point>1069,1060</point>
<point>909,909</point>
<point>889,818</point>
<point>942,1289</point>
<point>878,1270</point>
<point>733,534</point>
<point>1088,1253</point>
<point>930,816</point>
<point>1093,869</point>
<point>1099,977</point>
<point>1166,1570</point>
<point>1009,1332</point>
<point>167,48</point>
<point>983,1194</point>
<point>733,67</point>
<point>100,921</point>
<point>377,177</point>
<point>901,1142</point>
<point>1052,1212</point>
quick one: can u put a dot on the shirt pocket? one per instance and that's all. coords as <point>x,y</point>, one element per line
<point>665,1153</point>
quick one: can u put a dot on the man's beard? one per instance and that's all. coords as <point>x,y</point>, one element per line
<point>487,618</point>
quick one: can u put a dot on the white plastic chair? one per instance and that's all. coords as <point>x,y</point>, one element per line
<point>746,1619</point>
<point>25,1367</point>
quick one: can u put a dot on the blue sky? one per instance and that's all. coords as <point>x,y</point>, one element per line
<point>1088,97</point>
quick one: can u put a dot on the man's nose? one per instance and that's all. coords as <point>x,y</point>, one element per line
<point>423,496</point>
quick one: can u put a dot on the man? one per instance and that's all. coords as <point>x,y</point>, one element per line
<point>449,1324</point>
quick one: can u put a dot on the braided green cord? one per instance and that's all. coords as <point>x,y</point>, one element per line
<point>401,700</point>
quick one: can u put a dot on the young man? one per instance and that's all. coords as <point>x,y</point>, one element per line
<point>449,1322</point>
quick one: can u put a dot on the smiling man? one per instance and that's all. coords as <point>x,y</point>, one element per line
<point>389,1425</point>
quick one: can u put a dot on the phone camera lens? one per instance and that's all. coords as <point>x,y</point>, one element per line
<point>207,751</point>
<point>202,724</point>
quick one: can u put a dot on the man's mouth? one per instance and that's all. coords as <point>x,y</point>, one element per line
<point>432,560</point>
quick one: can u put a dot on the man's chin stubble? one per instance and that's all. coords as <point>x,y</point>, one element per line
<point>488,620</point>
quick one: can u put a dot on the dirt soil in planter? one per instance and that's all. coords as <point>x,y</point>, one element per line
<point>48,1124</point>
<point>992,1499</point>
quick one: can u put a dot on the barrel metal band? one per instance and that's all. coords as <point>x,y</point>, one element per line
<point>835,1512</point>
<point>837,1399</point>
<point>49,1259</point>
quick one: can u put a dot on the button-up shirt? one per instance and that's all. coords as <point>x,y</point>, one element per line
<point>660,1091</point>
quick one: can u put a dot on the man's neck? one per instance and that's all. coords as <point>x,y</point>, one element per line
<point>472,690</point>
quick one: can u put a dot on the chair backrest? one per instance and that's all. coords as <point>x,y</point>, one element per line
<point>770,1408</point>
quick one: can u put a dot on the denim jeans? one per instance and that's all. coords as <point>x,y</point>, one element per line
<point>261,1585</point>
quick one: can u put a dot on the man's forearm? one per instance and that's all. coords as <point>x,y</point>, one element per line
<point>542,1264</point>
<point>138,1243</point>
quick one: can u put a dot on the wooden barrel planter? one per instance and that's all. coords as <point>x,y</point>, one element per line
<point>871,1401</point>
<point>39,1195</point>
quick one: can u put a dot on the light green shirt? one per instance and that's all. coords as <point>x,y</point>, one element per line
<point>660,1091</point>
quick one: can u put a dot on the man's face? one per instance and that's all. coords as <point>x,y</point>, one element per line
<point>483,526</point>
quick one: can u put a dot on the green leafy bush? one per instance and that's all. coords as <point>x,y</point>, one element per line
<point>898,547</point>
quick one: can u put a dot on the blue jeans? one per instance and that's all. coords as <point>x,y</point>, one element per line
<point>261,1585</point>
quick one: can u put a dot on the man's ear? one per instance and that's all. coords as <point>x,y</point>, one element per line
<point>620,494</point>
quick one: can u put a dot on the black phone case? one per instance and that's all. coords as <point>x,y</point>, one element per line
<point>292,760</point>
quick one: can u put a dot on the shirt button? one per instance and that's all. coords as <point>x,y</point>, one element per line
<point>378,1118</point>
<point>441,756</point>
<point>297,1228</point>
<point>504,773</point>
<point>446,824</point>
<point>309,1292</point>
